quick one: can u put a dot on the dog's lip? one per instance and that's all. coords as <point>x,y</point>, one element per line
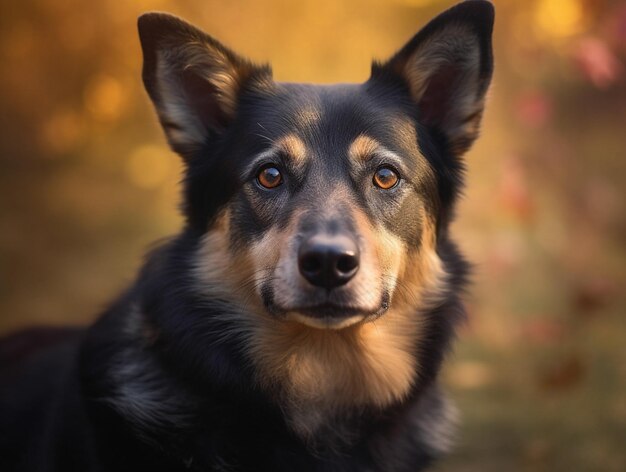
<point>330,310</point>
<point>333,316</point>
<point>325,322</point>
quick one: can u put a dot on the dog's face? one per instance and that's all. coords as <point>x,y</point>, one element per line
<point>347,208</point>
<point>321,204</point>
<point>331,196</point>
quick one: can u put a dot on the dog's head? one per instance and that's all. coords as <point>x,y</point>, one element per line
<point>321,205</point>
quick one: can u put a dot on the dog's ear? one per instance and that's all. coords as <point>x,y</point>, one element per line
<point>447,68</point>
<point>194,81</point>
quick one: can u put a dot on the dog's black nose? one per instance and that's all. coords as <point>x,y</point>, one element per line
<point>328,261</point>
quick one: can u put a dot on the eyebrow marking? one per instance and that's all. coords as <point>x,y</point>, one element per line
<point>363,148</point>
<point>292,146</point>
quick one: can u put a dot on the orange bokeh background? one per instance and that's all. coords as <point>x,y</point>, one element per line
<point>87,184</point>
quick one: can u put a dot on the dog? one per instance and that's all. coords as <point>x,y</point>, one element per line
<point>299,320</point>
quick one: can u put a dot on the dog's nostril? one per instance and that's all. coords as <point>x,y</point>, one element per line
<point>347,263</point>
<point>311,263</point>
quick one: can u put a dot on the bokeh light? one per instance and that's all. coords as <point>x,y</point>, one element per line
<point>561,18</point>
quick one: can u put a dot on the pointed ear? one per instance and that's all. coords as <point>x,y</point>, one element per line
<point>193,80</point>
<point>447,68</point>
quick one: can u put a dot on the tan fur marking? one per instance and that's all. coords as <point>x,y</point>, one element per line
<point>222,272</point>
<point>266,254</point>
<point>327,370</point>
<point>423,277</point>
<point>292,146</point>
<point>387,248</point>
<point>362,148</point>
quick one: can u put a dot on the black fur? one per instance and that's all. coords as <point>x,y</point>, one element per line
<point>175,392</point>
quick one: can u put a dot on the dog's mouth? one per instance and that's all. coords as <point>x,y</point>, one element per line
<point>327,321</point>
<point>333,316</point>
<point>325,309</point>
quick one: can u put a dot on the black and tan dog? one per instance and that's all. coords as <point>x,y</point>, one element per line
<point>299,320</point>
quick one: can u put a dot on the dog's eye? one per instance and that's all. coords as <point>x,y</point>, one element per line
<point>269,177</point>
<point>385,178</point>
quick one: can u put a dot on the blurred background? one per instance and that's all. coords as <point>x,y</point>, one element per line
<point>87,183</point>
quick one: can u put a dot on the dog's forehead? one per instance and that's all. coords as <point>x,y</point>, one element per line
<point>330,118</point>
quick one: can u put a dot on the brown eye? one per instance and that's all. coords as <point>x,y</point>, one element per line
<point>270,177</point>
<point>385,178</point>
